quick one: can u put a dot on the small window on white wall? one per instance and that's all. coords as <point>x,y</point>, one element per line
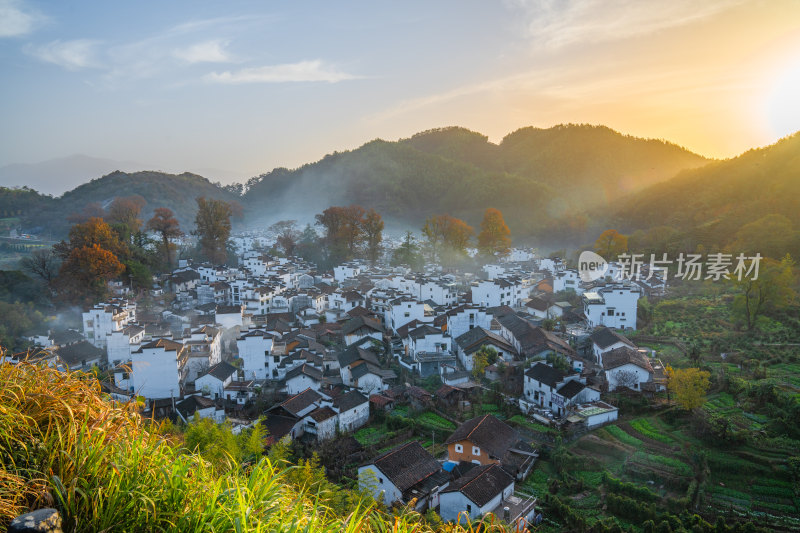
<point>476,450</point>
<point>459,448</point>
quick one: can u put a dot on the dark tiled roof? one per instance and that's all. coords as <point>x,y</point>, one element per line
<point>361,322</point>
<point>221,371</point>
<point>623,356</point>
<point>278,426</point>
<point>322,413</point>
<point>424,331</point>
<point>605,337</point>
<point>474,339</point>
<point>349,400</point>
<point>545,374</point>
<point>301,401</point>
<point>571,388</point>
<point>482,483</point>
<point>488,433</point>
<point>407,465</point>
<point>75,354</point>
<point>305,369</point>
<point>355,353</point>
<point>192,404</point>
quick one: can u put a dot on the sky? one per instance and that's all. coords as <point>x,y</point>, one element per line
<point>234,89</point>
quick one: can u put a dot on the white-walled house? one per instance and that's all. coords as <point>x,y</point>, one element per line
<point>566,280</point>
<point>481,490</point>
<point>353,409</point>
<point>626,367</point>
<point>120,343</point>
<point>613,306</point>
<point>473,340</point>
<point>427,339</point>
<point>254,351</point>
<point>346,271</point>
<point>465,317</point>
<point>553,389</point>
<point>604,340</point>
<point>104,318</point>
<point>500,291</point>
<point>157,369</point>
<point>213,381</point>
<point>403,310</point>
<point>303,377</point>
<point>402,474</point>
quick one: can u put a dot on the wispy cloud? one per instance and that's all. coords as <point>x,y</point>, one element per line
<point>205,52</point>
<point>290,72</point>
<point>16,20</point>
<point>71,55</point>
<point>553,24</point>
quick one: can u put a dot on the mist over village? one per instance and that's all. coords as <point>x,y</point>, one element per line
<point>422,267</point>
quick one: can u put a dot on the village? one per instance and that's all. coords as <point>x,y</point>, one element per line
<point>430,388</point>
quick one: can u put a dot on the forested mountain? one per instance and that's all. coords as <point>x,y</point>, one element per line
<point>755,196</point>
<point>177,192</point>
<point>402,183</point>
<point>535,176</point>
<point>550,183</point>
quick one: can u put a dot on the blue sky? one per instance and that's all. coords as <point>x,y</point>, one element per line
<point>244,87</point>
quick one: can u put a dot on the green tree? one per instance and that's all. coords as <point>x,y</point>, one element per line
<point>408,253</point>
<point>771,291</point>
<point>213,228</point>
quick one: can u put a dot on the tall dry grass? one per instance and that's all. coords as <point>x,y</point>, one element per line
<point>63,444</point>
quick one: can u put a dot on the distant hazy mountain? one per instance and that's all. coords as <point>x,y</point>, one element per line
<point>56,176</point>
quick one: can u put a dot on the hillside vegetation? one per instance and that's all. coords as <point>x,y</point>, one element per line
<point>716,203</point>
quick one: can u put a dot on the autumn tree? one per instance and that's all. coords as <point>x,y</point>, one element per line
<point>771,291</point>
<point>485,356</point>
<point>344,227</point>
<point>610,244</point>
<point>495,237</point>
<point>286,235</point>
<point>213,228</point>
<point>372,229</point>
<point>167,226</point>
<point>688,385</point>
<point>446,233</point>
<point>90,259</point>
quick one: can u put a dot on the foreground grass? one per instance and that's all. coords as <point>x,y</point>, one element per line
<point>63,445</point>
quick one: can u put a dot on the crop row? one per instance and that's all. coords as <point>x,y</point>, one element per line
<point>643,426</point>
<point>625,438</point>
<point>679,467</point>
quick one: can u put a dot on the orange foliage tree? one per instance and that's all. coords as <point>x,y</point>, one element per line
<point>610,244</point>
<point>495,237</point>
<point>91,259</point>
<point>444,231</point>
